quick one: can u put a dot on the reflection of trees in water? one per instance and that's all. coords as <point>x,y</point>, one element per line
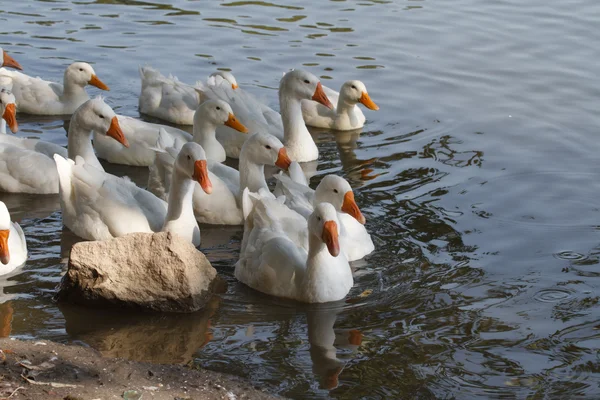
<point>440,149</point>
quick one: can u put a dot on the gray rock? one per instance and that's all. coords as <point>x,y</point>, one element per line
<point>148,271</point>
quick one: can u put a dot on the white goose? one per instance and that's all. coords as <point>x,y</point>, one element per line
<point>223,206</point>
<point>37,96</point>
<point>8,110</point>
<point>347,115</point>
<point>99,206</point>
<point>169,99</point>
<point>8,61</point>
<point>272,263</point>
<point>13,246</point>
<point>26,165</point>
<point>142,137</point>
<point>356,241</point>
<point>295,86</point>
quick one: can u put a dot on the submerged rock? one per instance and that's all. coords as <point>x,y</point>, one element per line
<point>149,271</point>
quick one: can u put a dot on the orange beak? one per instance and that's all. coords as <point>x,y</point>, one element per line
<point>330,238</point>
<point>95,81</point>
<point>201,176</point>
<point>350,207</point>
<point>10,116</point>
<point>320,97</point>
<point>233,123</point>
<point>234,86</point>
<point>4,253</point>
<point>116,133</point>
<point>283,161</point>
<point>10,62</point>
<point>366,100</point>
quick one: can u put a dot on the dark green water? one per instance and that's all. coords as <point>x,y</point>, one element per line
<point>478,178</point>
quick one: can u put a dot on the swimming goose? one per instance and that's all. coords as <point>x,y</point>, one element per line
<point>295,86</point>
<point>37,96</point>
<point>169,99</point>
<point>13,246</point>
<point>26,165</point>
<point>8,61</point>
<point>142,137</point>
<point>223,206</point>
<point>99,206</point>
<point>347,115</point>
<point>272,263</point>
<point>8,111</point>
<point>356,241</point>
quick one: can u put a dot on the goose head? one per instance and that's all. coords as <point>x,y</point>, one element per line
<point>356,92</point>
<point>8,61</point>
<point>8,109</point>
<point>83,74</point>
<point>303,85</point>
<point>266,149</point>
<point>323,223</point>
<point>337,191</point>
<point>228,76</point>
<point>4,233</point>
<point>95,115</point>
<point>218,112</point>
<point>191,161</point>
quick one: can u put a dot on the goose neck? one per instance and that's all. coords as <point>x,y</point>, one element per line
<point>80,143</point>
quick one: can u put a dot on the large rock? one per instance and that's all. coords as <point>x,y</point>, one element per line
<point>154,272</point>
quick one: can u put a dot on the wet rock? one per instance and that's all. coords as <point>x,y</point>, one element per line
<point>154,272</point>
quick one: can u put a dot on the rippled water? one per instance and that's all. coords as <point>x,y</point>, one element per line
<point>478,178</point>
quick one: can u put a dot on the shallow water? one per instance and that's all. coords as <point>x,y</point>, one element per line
<point>478,178</point>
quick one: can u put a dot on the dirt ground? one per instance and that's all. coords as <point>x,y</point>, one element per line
<point>47,370</point>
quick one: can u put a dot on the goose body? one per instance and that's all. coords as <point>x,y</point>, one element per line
<point>13,246</point>
<point>273,263</point>
<point>142,137</point>
<point>346,115</point>
<point>168,98</point>
<point>356,241</point>
<point>223,206</point>
<point>26,165</point>
<point>99,206</point>
<point>37,96</point>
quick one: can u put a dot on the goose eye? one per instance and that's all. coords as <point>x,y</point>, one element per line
<point>101,116</point>
<point>353,87</point>
<point>81,69</point>
<point>268,147</point>
<point>335,191</point>
<point>189,157</point>
<point>306,81</point>
<point>318,218</point>
<point>218,108</point>
<point>0,101</point>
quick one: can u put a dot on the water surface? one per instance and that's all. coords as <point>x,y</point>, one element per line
<point>478,178</point>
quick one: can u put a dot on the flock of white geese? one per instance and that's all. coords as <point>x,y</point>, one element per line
<point>297,241</point>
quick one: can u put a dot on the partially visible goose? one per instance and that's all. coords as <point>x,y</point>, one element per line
<point>8,61</point>
<point>37,96</point>
<point>142,137</point>
<point>13,246</point>
<point>26,166</point>
<point>169,99</point>
<point>347,115</point>
<point>295,86</point>
<point>8,110</point>
<point>224,205</point>
<point>356,241</point>
<point>98,206</point>
<point>272,263</point>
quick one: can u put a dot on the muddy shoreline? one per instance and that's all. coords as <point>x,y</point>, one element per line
<point>41,369</point>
